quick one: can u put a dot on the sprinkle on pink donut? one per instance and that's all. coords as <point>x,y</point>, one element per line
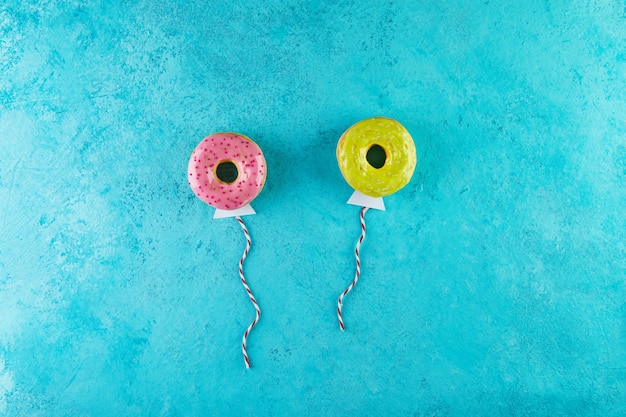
<point>227,147</point>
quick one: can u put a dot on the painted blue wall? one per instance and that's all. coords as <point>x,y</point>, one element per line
<point>494,284</point>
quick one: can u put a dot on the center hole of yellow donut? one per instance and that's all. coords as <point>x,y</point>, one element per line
<point>227,172</point>
<point>376,156</point>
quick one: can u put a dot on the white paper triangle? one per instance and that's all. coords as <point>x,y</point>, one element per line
<point>360,199</point>
<point>241,211</point>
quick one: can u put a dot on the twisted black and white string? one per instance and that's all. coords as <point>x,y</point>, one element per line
<point>245,284</point>
<point>358,269</point>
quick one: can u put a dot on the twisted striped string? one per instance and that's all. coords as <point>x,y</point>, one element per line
<point>358,269</point>
<point>245,284</point>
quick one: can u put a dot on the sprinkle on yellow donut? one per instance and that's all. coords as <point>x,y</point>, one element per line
<point>399,163</point>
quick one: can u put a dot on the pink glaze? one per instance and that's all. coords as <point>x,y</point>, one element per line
<point>224,147</point>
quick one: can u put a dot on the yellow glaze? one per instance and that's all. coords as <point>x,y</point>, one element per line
<point>399,149</point>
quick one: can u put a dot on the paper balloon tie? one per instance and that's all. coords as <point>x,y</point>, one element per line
<point>227,171</point>
<point>377,158</point>
<point>358,269</point>
<point>245,285</point>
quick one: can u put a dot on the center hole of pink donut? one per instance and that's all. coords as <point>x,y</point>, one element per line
<point>376,156</point>
<point>227,172</point>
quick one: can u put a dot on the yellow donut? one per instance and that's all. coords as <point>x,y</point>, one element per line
<point>399,159</point>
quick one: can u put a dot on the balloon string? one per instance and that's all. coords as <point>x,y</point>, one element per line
<point>245,284</point>
<point>358,269</point>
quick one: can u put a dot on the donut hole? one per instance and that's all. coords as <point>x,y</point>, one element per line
<point>227,172</point>
<point>376,156</point>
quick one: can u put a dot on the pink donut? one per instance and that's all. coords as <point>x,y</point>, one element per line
<point>227,170</point>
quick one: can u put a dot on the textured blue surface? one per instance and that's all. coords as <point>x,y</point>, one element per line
<point>493,285</point>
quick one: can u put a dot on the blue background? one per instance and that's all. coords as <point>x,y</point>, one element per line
<point>492,285</point>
